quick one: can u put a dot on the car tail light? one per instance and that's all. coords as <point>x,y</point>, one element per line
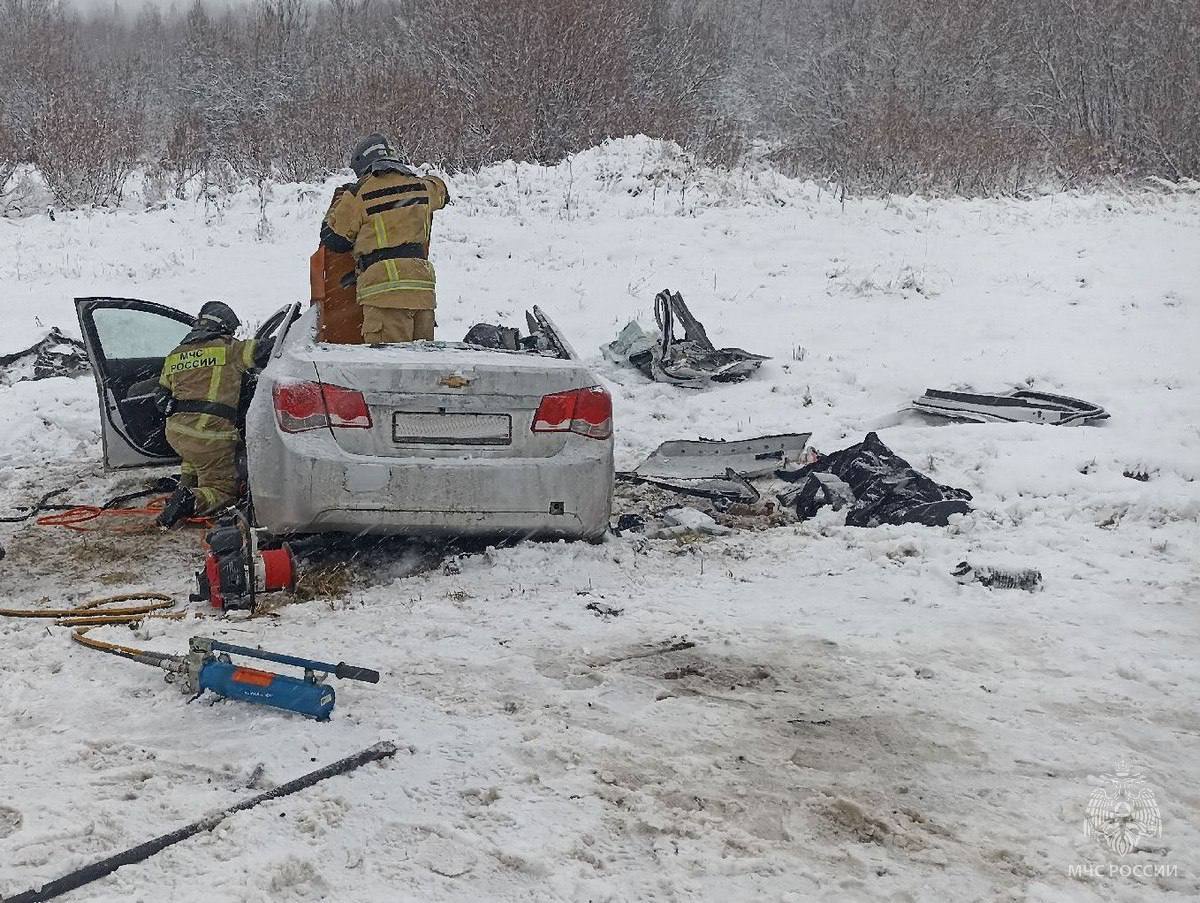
<point>347,408</point>
<point>587,412</point>
<point>311,406</point>
<point>554,413</point>
<point>299,407</point>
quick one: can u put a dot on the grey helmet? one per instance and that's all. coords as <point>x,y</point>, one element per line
<point>217,316</point>
<point>371,151</point>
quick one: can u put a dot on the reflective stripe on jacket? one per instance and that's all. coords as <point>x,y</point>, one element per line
<point>205,380</point>
<point>385,219</point>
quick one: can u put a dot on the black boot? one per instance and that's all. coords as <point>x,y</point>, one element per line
<point>181,504</point>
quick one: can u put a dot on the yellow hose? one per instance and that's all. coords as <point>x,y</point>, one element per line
<point>88,609</point>
<point>91,614</point>
<point>79,636</point>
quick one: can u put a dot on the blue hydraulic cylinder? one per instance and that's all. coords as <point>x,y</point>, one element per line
<point>266,688</point>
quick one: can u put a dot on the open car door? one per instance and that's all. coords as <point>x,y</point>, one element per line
<point>127,341</point>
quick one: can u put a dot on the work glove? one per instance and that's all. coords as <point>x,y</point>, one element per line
<point>164,401</point>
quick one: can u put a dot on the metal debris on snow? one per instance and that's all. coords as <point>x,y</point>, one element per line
<point>692,361</point>
<point>1021,406</point>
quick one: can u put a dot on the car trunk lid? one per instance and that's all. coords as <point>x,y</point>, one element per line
<point>447,399</point>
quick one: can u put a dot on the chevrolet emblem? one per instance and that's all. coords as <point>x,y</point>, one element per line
<point>454,381</point>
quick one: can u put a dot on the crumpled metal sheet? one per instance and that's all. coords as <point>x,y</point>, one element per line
<point>733,487</point>
<point>55,355</point>
<point>632,341</point>
<point>1021,406</point>
<point>692,361</point>
<point>543,338</point>
<point>716,469</point>
<point>712,458</point>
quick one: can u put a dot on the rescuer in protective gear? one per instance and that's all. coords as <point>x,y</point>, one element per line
<point>385,219</point>
<point>200,390</point>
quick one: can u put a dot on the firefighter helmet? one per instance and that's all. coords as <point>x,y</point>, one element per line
<point>218,316</point>
<point>369,151</point>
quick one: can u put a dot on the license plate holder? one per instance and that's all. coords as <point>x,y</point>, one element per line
<point>446,428</point>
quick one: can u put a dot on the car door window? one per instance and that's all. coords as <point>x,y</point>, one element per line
<point>128,340</point>
<point>126,333</point>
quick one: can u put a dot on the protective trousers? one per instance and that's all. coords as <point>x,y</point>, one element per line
<point>396,324</point>
<point>209,467</point>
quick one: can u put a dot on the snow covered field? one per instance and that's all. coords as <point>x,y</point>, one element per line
<point>851,724</point>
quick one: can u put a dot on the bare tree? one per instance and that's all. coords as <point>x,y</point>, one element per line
<point>967,96</point>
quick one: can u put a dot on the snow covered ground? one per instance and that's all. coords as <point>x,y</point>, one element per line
<point>850,723</point>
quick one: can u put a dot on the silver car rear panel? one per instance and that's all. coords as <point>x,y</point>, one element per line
<point>387,479</point>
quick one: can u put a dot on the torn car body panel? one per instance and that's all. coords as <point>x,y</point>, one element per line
<point>1021,406</point>
<point>692,361</point>
<point>692,459</point>
<point>54,355</point>
<point>716,469</point>
<point>733,487</point>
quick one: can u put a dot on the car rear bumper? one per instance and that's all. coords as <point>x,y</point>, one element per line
<point>305,483</point>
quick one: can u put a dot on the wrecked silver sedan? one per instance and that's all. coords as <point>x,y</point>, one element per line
<point>417,438</point>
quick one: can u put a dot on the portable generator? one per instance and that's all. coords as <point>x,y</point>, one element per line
<point>236,570</point>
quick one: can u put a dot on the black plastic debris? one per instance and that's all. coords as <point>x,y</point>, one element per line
<point>1027,579</point>
<point>1022,406</point>
<point>603,611</point>
<point>692,361</point>
<point>55,355</point>
<point>885,488</point>
<point>485,335</point>
<point>543,337</point>
<point>630,522</point>
<point>817,490</point>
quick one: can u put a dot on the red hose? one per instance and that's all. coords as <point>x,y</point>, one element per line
<point>75,518</point>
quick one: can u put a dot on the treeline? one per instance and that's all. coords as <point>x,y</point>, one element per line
<point>966,96</point>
